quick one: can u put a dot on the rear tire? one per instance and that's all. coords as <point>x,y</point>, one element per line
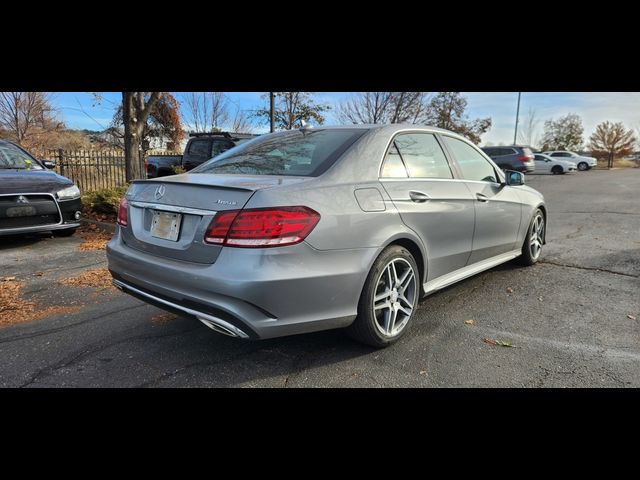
<point>64,233</point>
<point>388,300</point>
<point>532,246</point>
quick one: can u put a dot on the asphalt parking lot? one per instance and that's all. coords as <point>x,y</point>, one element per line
<point>573,320</point>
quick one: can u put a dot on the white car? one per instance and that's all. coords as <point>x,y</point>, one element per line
<point>583,163</point>
<point>555,166</point>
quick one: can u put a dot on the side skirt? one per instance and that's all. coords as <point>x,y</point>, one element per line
<point>468,271</point>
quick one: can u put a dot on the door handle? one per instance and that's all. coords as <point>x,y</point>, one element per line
<point>482,198</point>
<point>419,197</point>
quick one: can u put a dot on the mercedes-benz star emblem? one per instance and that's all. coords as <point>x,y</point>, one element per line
<point>160,192</point>
<point>22,199</point>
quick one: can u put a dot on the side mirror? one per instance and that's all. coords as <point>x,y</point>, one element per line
<point>49,164</point>
<point>513,178</point>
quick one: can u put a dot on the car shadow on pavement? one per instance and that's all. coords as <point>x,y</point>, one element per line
<point>17,241</point>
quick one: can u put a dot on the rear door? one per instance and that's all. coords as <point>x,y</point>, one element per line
<point>440,209</point>
<point>497,207</point>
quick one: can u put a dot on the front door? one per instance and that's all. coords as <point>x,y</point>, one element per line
<point>497,206</point>
<point>418,178</point>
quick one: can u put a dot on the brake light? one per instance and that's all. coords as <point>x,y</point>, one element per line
<point>525,158</point>
<point>123,215</point>
<point>261,227</point>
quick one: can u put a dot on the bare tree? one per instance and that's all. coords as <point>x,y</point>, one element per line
<point>528,133</point>
<point>384,107</point>
<point>136,108</point>
<point>240,122</point>
<point>611,140</point>
<point>207,111</point>
<point>22,113</point>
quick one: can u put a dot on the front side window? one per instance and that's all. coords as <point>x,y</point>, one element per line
<point>423,156</point>
<point>12,157</point>
<point>560,154</point>
<point>472,164</point>
<point>301,153</point>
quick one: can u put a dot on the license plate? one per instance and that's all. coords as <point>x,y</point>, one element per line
<point>166,225</point>
<point>21,211</point>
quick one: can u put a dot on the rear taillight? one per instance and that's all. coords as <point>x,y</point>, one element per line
<point>123,216</point>
<point>261,227</point>
<point>525,158</point>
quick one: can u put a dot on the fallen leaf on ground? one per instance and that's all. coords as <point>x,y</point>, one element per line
<point>469,322</point>
<point>509,290</point>
<point>423,372</point>
<point>39,274</point>
<point>540,298</point>
<point>163,318</point>
<point>95,278</point>
<point>9,279</point>
<point>497,343</point>
<point>631,317</point>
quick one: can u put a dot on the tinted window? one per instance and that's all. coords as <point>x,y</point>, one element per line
<point>393,166</point>
<point>504,151</point>
<point>423,156</point>
<point>473,165</point>
<point>490,151</point>
<point>199,147</point>
<point>540,158</point>
<point>308,153</point>
<point>12,157</point>
<point>560,154</point>
<point>219,147</point>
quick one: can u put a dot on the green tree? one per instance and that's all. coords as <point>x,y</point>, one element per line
<point>564,133</point>
<point>611,140</point>
<point>447,110</point>
<point>291,108</point>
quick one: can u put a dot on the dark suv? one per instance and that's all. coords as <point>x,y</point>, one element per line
<point>203,146</point>
<point>513,157</point>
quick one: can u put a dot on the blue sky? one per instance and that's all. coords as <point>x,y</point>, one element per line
<point>79,110</point>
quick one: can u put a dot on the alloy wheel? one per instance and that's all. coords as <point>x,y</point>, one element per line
<point>536,236</point>
<point>395,296</point>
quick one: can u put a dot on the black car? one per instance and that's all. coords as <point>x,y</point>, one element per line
<point>33,198</point>
<point>162,165</point>
<point>513,157</point>
<point>203,146</point>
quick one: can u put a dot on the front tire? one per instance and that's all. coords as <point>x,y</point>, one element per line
<point>582,166</point>
<point>557,170</point>
<point>389,299</point>
<point>532,246</point>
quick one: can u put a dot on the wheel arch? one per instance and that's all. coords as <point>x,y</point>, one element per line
<point>418,252</point>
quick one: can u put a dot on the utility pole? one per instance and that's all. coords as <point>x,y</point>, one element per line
<point>515,134</point>
<point>271,110</point>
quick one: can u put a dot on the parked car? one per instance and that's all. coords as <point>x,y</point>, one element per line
<point>203,146</point>
<point>162,165</point>
<point>514,157</point>
<point>583,163</point>
<point>320,228</point>
<point>33,198</point>
<point>546,164</point>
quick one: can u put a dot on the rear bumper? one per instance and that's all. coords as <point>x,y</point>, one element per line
<point>255,293</point>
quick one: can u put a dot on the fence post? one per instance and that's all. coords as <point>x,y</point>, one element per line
<point>61,160</point>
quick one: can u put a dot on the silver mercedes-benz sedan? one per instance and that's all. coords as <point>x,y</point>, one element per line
<point>321,228</point>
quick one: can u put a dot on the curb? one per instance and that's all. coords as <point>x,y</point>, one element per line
<point>106,226</point>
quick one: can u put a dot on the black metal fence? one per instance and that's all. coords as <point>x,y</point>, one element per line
<point>93,169</point>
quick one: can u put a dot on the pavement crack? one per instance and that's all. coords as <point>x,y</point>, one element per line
<point>590,269</point>
<point>49,331</point>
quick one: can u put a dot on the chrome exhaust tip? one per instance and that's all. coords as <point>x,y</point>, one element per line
<point>226,329</point>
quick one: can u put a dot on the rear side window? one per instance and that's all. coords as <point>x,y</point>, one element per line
<point>504,151</point>
<point>527,151</point>
<point>393,166</point>
<point>423,156</point>
<point>472,164</point>
<point>560,154</point>
<point>199,147</point>
<point>302,153</point>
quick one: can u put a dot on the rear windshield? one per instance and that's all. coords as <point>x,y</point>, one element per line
<point>527,151</point>
<point>306,153</point>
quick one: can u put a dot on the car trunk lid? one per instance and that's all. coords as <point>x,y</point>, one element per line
<point>168,217</point>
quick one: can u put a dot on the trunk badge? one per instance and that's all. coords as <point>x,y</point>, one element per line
<point>159,192</point>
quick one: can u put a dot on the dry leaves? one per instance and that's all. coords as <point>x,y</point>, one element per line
<point>93,238</point>
<point>497,343</point>
<point>631,317</point>
<point>95,278</point>
<point>509,290</point>
<point>15,309</point>
<point>469,322</point>
<point>163,318</point>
